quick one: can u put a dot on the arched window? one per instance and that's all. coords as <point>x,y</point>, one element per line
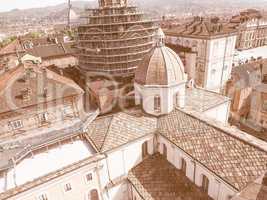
<point>93,195</point>
<point>183,168</point>
<point>205,184</point>
<point>165,151</point>
<point>144,149</point>
<point>157,103</point>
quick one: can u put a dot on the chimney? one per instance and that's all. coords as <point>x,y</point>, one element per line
<point>42,83</point>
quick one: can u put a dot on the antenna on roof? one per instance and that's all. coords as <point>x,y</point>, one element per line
<point>69,10</point>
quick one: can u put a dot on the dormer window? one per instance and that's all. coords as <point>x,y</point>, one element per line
<point>16,124</point>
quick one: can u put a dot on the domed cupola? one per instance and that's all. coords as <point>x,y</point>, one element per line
<point>160,79</point>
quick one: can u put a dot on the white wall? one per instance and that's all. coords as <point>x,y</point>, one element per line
<point>55,188</point>
<point>167,96</point>
<point>219,113</point>
<point>218,189</point>
<point>122,160</point>
<point>214,54</point>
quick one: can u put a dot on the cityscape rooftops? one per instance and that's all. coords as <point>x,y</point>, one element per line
<point>230,154</point>
<point>52,50</point>
<point>231,158</point>
<point>200,27</point>
<point>21,86</point>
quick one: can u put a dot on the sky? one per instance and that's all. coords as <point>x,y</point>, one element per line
<point>6,5</point>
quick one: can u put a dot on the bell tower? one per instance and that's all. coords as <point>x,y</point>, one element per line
<point>112,3</point>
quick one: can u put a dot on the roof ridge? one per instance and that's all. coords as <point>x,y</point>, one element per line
<point>165,64</point>
<point>107,132</point>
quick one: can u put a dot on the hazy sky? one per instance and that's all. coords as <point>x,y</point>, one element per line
<point>6,5</point>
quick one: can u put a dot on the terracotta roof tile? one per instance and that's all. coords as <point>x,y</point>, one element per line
<point>156,179</point>
<point>112,131</point>
<point>13,83</point>
<point>235,161</point>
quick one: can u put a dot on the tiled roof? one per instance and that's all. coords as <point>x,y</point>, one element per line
<point>52,50</point>
<point>200,100</point>
<point>115,130</point>
<point>12,47</point>
<point>162,66</point>
<point>200,27</point>
<point>156,179</point>
<point>255,191</point>
<point>235,161</point>
<point>13,83</point>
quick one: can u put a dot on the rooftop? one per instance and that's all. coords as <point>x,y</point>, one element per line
<point>200,100</point>
<point>224,151</point>
<point>232,159</point>
<point>156,179</point>
<point>76,149</point>
<point>162,66</point>
<point>246,55</point>
<point>21,87</point>
<point>255,191</point>
<point>112,131</point>
<point>52,50</point>
<point>202,28</point>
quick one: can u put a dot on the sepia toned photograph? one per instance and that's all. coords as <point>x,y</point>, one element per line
<point>133,99</point>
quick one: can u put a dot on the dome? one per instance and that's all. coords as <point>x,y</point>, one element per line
<point>162,66</point>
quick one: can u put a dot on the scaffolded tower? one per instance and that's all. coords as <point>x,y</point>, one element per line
<point>114,38</point>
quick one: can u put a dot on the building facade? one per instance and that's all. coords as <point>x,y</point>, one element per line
<point>34,98</point>
<point>208,48</point>
<point>252,29</point>
<point>247,88</point>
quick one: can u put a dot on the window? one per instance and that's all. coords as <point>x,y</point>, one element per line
<point>205,184</point>
<point>144,150</point>
<point>16,124</point>
<point>26,94</point>
<point>89,177</point>
<point>157,104</point>
<point>164,151</point>
<point>183,168</point>
<point>67,187</point>
<point>93,195</point>
<point>43,118</point>
<point>67,111</point>
<point>43,197</point>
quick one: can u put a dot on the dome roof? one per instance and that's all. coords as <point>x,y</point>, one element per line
<point>162,66</point>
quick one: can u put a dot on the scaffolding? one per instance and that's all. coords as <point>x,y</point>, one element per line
<point>121,34</point>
